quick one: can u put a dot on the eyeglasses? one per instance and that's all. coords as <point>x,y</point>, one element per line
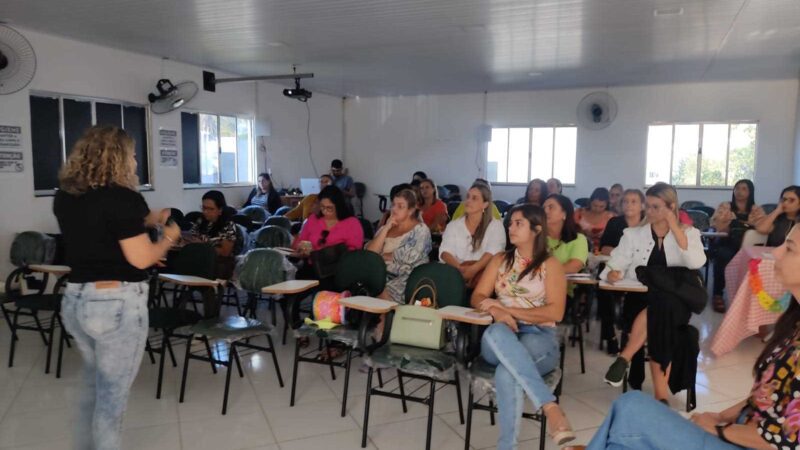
<point>324,237</point>
<point>327,208</point>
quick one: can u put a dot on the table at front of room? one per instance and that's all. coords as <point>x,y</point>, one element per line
<point>745,314</point>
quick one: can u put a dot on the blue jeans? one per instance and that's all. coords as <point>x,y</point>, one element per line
<point>637,421</point>
<point>521,359</point>
<point>110,328</point>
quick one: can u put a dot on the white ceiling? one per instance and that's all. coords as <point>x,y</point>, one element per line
<point>392,47</point>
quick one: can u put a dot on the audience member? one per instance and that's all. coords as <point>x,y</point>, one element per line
<point>778,223</point>
<point>470,241</point>
<point>593,220</point>
<point>535,193</point>
<point>264,195</point>
<point>554,186</point>
<point>217,229</point>
<point>531,295</point>
<point>615,199</point>
<point>661,241</point>
<point>434,211</point>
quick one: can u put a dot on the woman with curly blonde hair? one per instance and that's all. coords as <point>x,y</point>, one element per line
<point>103,218</point>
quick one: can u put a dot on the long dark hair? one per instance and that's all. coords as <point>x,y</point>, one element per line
<point>569,232</point>
<point>542,190</point>
<point>784,329</point>
<point>219,200</point>
<point>335,195</point>
<point>266,176</point>
<point>751,197</point>
<point>535,215</point>
<point>601,194</point>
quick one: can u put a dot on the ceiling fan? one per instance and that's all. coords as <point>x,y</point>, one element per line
<point>170,96</point>
<point>17,61</point>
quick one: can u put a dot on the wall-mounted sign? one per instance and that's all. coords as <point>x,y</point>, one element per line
<point>11,149</point>
<point>168,147</point>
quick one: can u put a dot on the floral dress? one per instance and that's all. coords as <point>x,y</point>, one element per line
<point>411,251</point>
<point>528,292</point>
<point>774,402</point>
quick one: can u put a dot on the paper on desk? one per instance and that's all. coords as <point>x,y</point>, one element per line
<point>623,284</point>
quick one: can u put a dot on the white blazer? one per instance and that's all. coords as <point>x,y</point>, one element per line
<point>637,244</point>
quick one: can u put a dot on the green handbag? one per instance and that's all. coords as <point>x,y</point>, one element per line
<point>418,326</point>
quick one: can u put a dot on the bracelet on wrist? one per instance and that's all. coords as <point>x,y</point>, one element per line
<point>721,432</point>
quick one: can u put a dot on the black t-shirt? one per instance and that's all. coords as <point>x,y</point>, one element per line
<point>658,257</point>
<point>613,232</point>
<point>92,225</point>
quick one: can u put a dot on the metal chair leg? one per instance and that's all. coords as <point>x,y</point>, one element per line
<point>458,396</point>
<point>231,359</point>
<point>470,400</point>
<point>347,363</point>
<point>294,371</point>
<point>186,366</point>
<point>161,357</point>
<point>275,360</point>
<point>430,415</point>
<point>402,391</point>
<point>366,409</point>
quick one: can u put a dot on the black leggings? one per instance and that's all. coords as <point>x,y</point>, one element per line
<point>632,305</point>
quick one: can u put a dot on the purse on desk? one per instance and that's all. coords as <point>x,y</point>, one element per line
<point>417,325</point>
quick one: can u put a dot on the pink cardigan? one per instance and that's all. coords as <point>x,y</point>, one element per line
<point>347,231</point>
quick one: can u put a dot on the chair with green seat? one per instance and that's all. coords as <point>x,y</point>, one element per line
<point>271,236</point>
<point>360,272</point>
<point>279,221</point>
<point>259,269</point>
<point>255,213</point>
<point>445,285</point>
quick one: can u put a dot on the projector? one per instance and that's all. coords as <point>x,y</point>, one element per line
<point>297,93</point>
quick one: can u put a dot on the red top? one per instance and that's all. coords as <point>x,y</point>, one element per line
<point>347,231</point>
<point>428,215</point>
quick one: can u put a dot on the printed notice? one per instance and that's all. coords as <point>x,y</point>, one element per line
<point>11,149</point>
<point>168,147</point>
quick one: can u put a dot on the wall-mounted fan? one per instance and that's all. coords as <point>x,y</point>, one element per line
<point>17,61</point>
<point>597,110</point>
<point>170,96</point>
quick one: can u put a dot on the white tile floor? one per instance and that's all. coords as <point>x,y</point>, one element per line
<point>36,409</point>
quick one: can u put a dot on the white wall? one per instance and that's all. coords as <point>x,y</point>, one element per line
<point>388,138</point>
<point>77,68</point>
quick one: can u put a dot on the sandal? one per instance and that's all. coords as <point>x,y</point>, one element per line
<point>718,304</point>
<point>331,354</point>
<point>559,428</point>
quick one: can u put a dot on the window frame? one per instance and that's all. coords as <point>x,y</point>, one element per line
<point>698,176</point>
<point>93,101</point>
<point>253,169</point>
<point>530,149</point>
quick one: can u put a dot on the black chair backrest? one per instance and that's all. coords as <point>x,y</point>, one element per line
<point>691,204</point>
<point>706,209</point>
<point>176,215</point>
<point>769,207</point>
<point>197,259</point>
<point>361,189</point>
<point>369,232</point>
<point>699,218</point>
<point>582,202</point>
<point>451,208</point>
<point>191,218</point>
<point>455,193</point>
<point>241,219</point>
<point>502,206</point>
<point>444,193</point>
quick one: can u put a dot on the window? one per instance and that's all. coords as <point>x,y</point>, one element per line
<point>217,149</point>
<point>517,155</point>
<point>58,121</point>
<point>701,154</point>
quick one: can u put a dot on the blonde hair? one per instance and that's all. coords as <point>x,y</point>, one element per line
<point>101,157</point>
<point>667,193</point>
<point>486,216</point>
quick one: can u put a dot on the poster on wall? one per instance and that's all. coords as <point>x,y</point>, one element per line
<point>11,149</point>
<point>168,147</point>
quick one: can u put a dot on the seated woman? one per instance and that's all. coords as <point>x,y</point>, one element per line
<point>469,242</point>
<point>460,210</point>
<point>404,242</point>
<point>334,224</point>
<point>434,211</point>
<point>554,186</point>
<point>632,215</point>
<point>531,296</point>
<point>615,193</point>
<point>662,241</point>
<point>593,219</point>
<point>766,419</point>
<point>778,223</point>
<point>216,228</point>
<point>309,204</point>
<point>735,218</point>
<point>264,195</point>
<point>535,193</point>
<point>564,241</point>
<point>419,176</point>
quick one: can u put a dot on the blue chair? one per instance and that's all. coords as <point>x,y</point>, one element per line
<point>256,214</point>
<point>282,210</point>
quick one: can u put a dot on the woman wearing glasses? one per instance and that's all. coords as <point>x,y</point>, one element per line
<point>334,224</point>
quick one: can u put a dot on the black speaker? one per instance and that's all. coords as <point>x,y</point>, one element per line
<point>209,81</point>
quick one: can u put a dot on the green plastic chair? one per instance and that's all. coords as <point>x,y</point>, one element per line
<point>271,236</point>
<point>432,366</point>
<point>362,273</point>
<point>261,267</point>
